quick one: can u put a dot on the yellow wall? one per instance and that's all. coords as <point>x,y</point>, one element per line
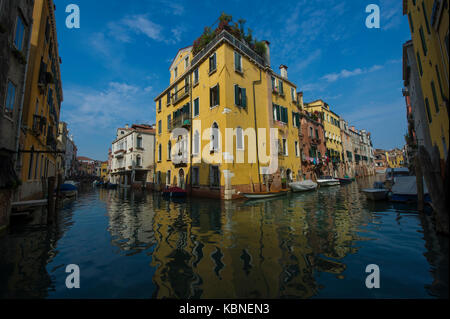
<point>104,171</point>
<point>437,57</point>
<point>228,115</point>
<point>330,129</point>
<point>39,47</point>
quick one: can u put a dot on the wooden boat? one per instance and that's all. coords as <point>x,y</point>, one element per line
<point>327,181</point>
<point>375,193</point>
<point>174,192</point>
<point>303,186</point>
<point>405,190</point>
<point>68,190</point>
<point>259,195</point>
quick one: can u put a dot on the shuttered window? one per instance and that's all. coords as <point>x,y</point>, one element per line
<point>240,96</point>
<point>214,96</point>
<point>196,107</point>
<point>237,62</point>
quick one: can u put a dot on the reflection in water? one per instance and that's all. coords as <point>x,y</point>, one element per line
<point>138,245</point>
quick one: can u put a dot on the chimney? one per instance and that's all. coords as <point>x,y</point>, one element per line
<point>126,126</point>
<point>300,98</point>
<point>267,54</point>
<point>283,71</point>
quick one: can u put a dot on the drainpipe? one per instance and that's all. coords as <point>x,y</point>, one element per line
<point>190,133</point>
<point>256,128</point>
<point>19,122</point>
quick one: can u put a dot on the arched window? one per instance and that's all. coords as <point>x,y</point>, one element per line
<point>215,136</point>
<point>239,139</point>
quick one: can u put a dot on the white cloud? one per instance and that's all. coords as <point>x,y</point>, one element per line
<point>332,77</point>
<point>140,24</point>
<point>88,109</point>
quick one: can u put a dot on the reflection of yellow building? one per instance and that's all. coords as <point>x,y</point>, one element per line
<point>429,25</point>
<point>104,173</point>
<point>42,102</point>
<point>226,85</point>
<point>331,123</point>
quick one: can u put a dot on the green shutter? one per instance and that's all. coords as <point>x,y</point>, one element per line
<point>297,120</point>
<point>244,97</point>
<point>236,94</point>
<point>278,112</point>
<point>210,97</point>
<point>436,104</point>
<point>218,95</point>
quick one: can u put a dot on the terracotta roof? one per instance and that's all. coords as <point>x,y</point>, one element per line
<point>84,158</point>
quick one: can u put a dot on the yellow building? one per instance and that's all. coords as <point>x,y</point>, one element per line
<point>104,172</point>
<point>395,158</point>
<point>42,103</point>
<point>429,25</point>
<point>220,95</point>
<point>331,123</point>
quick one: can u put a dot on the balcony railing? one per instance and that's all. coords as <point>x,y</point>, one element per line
<point>183,120</point>
<point>39,123</point>
<point>225,36</point>
<point>180,94</point>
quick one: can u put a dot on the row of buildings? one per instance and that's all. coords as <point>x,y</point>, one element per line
<point>426,78</point>
<point>34,144</point>
<point>227,124</point>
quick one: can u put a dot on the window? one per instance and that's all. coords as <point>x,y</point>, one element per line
<point>169,150</point>
<point>139,142</point>
<point>159,152</point>
<point>419,63</point>
<point>30,167</point>
<point>411,22</point>
<point>159,127</point>
<point>433,90</point>
<point>196,107</point>
<point>296,148</point>
<point>237,62</point>
<point>186,62</point>
<point>186,85</point>
<point>195,76</point>
<point>168,177</point>
<point>310,131</point>
<point>214,96</point>
<point>195,176</point>
<point>169,120</point>
<point>239,139</point>
<point>285,149</point>
<point>240,96</point>
<point>168,98</point>
<point>422,38</point>
<point>426,17</point>
<point>280,87</point>
<point>427,106</point>
<point>19,35</point>
<point>175,72</point>
<point>212,63</point>
<point>317,133</point>
<point>296,119</point>
<point>10,99</point>
<point>196,142</point>
<point>214,175</point>
<point>280,113</point>
<point>293,95</point>
<point>274,84</point>
<point>439,82</point>
<point>215,136</point>
<point>138,161</point>
<point>159,106</point>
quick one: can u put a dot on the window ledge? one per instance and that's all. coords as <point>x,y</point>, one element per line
<point>212,71</point>
<point>240,72</point>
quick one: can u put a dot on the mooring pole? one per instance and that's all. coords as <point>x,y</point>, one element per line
<point>50,199</point>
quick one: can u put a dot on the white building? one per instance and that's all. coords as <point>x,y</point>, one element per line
<point>133,155</point>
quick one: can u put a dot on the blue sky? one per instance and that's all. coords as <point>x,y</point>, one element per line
<point>117,62</point>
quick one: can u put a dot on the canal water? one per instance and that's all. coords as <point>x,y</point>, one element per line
<point>131,244</point>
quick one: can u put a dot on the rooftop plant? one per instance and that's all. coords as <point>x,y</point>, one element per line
<point>225,22</point>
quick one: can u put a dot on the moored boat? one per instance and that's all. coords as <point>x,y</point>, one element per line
<point>259,195</point>
<point>345,180</point>
<point>327,181</point>
<point>405,190</point>
<point>375,193</point>
<point>68,190</point>
<point>303,186</point>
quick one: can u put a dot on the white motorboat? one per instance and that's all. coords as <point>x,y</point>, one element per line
<point>375,193</point>
<point>328,181</point>
<point>259,195</point>
<point>303,186</point>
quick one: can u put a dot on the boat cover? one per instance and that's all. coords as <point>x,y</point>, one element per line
<point>406,185</point>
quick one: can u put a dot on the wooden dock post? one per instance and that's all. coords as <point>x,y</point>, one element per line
<point>58,192</point>
<point>50,199</point>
